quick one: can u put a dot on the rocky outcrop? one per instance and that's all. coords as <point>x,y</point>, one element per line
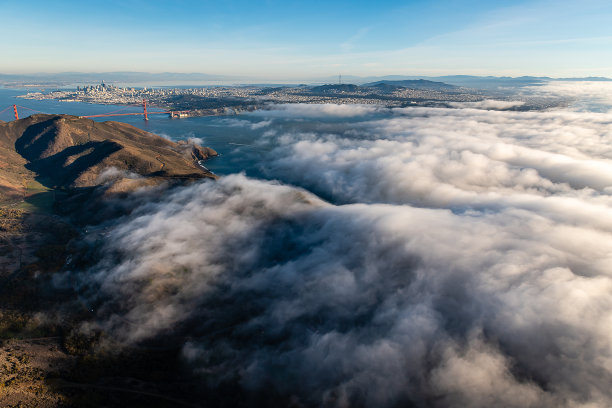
<point>195,151</point>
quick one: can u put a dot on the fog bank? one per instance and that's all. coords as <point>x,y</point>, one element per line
<point>460,257</point>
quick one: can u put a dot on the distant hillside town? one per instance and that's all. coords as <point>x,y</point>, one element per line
<point>214,100</point>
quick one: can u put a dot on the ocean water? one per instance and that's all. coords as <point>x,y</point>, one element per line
<point>234,143</point>
<point>249,142</point>
<point>243,141</point>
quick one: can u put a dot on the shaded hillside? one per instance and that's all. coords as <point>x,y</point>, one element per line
<point>68,151</point>
<point>13,173</point>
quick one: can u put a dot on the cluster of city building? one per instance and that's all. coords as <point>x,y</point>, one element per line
<point>219,99</point>
<point>110,94</point>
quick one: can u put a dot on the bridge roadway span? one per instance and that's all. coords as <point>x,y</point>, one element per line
<point>145,113</point>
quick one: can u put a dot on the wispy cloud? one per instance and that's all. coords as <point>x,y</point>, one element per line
<point>351,43</point>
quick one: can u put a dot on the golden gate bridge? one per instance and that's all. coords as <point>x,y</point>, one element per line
<point>145,113</point>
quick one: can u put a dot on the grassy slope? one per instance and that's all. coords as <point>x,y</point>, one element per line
<point>67,151</point>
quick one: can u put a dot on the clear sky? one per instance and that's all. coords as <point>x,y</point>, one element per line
<point>303,39</point>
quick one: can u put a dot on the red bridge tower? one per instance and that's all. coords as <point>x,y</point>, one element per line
<point>144,103</point>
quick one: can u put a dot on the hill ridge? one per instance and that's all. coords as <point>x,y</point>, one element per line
<point>63,151</point>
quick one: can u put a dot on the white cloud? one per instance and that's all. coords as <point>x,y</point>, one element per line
<point>488,104</point>
<point>261,124</point>
<point>465,263</point>
<point>315,110</point>
<point>582,91</point>
<point>196,140</point>
<point>113,173</point>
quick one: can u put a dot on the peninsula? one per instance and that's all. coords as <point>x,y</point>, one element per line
<point>223,100</point>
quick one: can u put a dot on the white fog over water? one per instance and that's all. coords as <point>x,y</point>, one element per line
<point>427,256</point>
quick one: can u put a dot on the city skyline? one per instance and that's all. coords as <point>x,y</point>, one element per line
<point>289,40</point>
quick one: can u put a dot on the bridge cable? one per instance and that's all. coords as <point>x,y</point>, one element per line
<point>115,111</point>
<point>24,107</point>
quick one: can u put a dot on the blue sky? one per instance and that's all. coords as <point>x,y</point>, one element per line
<point>303,39</point>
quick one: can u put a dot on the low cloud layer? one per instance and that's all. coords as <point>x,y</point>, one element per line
<point>460,258</point>
<point>583,92</point>
<point>488,104</point>
<point>317,111</point>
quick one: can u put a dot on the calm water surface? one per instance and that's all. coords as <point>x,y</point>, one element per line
<point>233,139</point>
<point>243,141</point>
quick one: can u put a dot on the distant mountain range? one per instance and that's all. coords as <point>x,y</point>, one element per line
<point>121,77</point>
<point>382,87</point>
<point>484,82</point>
<point>165,78</point>
<point>412,84</point>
